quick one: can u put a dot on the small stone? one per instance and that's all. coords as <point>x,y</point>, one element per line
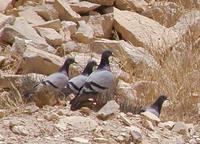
<point>192,141</point>
<point>20,130</point>
<point>136,134</point>
<point>180,127</point>
<point>101,140</point>
<point>169,125</point>
<point>150,125</point>
<point>124,119</point>
<point>80,140</point>
<point>150,116</point>
<point>120,138</point>
<point>108,109</point>
<point>31,109</point>
<point>2,138</point>
<point>62,112</point>
<point>52,117</point>
<point>85,110</point>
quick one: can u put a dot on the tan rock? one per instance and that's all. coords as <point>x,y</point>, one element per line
<point>166,13</point>
<point>2,113</point>
<point>46,11</point>
<point>85,33</point>
<point>189,4</point>
<point>188,25</point>
<point>132,5</point>
<point>144,32</point>
<point>2,59</point>
<point>23,30</point>
<point>5,4</point>
<point>31,16</point>
<point>180,127</point>
<point>103,2</point>
<point>54,24</point>
<point>80,140</point>
<point>101,140</point>
<point>20,45</point>
<point>169,124</point>
<point>108,109</point>
<point>69,25</point>
<point>102,25</point>
<point>150,116</point>
<point>84,7</point>
<point>136,134</point>
<point>52,37</point>
<point>4,19</point>
<point>124,119</point>
<point>31,109</point>
<point>52,116</point>
<point>78,122</point>
<point>34,60</point>
<point>65,11</point>
<point>20,130</point>
<point>131,56</point>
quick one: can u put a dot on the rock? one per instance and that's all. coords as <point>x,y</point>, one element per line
<point>144,32</point>
<point>54,24</point>
<point>198,108</point>
<point>192,141</point>
<point>31,16</point>
<point>70,46</point>
<point>132,5</point>
<point>169,124</point>
<point>69,26</point>
<point>188,25</point>
<point>136,134</point>
<point>126,91</point>
<point>80,140</point>
<point>150,116</point>
<point>85,33</point>
<point>180,127</point>
<point>62,112</point>
<point>65,11</point>
<point>10,32</point>
<point>103,2</point>
<point>102,25</point>
<point>2,113</point>
<point>52,117</point>
<point>2,59</point>
<point>31,109</point>
<point>108,109</point>
<point>20,45</point>
<point>46,11</point>
<point>2,138</point>
<point>4,20</point>
<point>52,37</point>
<point>133,57</point>
<point>84,7</point>
<point>149,125</point>
<point>101,140</point>
<point>34,60</point>
<point>5,5</point>
<point>189,4</point>
<point>166,13</point>
<point>20,130</point>
<point>78,122</point>
<point>85,110</point>
<point>124,119</point>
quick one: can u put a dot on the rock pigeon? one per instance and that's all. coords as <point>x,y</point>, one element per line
<point>56,81</point>
<point>77,82</point>
<point>156,107</point>
<point>97,82</point>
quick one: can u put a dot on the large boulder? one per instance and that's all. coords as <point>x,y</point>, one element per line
<point>144,32</point>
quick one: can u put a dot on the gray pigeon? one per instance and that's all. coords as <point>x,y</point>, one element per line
<point>97,82</point>
<point>156,107</point>
<point>77,82</point>
<point>56,80</point>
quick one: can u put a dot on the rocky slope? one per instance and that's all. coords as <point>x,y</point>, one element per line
<point>156,48</point>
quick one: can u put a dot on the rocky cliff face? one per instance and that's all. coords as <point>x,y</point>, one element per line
<point>157,51</point>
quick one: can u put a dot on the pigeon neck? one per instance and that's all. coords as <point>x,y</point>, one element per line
<point>88,70</point>
<point>65,68</point>
<point>104,63</point>
<point>158,105</point>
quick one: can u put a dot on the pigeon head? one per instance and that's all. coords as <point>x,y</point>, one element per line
<point>65,66</point>
<point>159,101</point>
<point>105,59</point>
<point>89,67</point>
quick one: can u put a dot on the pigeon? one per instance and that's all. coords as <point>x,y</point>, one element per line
<point>56,80</point>
<point>156,107</point>
<point>96,83</point>
<point>77,82</point>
